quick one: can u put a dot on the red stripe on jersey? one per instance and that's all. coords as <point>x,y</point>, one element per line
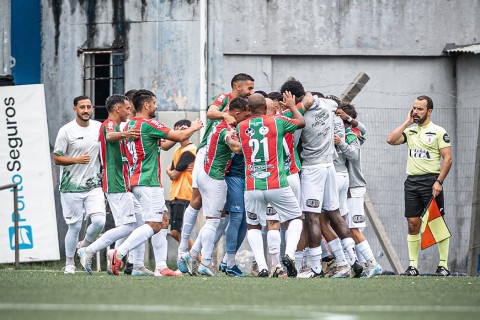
<point>272,180</point>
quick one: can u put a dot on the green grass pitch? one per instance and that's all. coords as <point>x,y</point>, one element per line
<point>49,294</point>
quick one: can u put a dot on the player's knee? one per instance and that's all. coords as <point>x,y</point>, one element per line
<point>98,221</point>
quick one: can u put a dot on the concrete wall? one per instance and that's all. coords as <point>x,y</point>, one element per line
<point>324,44</point>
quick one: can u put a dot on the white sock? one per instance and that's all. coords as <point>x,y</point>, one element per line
<point>298,260</point>
<point>137,256</point>
<point>137,237</point>
<point>364,249</point>
<point>349,246</point>
<point>273,240</point>
<point>230,259</point>
<point>292,235</point>
<point>110,237</point>
<point>208,239</point>
<point>337,251</point>
<point>221,229</point>
<point>94,229</point>
<point>255,240</point>
<point>160,248</point>
<point>306,256</point>
<point>197,245</point>
<point>71,239</point>
<point>316,259</point>
<point>189,219</point>
<point>325,252</point>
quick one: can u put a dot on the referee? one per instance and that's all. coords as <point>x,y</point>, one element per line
<point>427,143</point>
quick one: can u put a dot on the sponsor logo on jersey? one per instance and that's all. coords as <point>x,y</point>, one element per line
<point>446,138</point>
<point>358,219</point>
<point>420,154</point>
<point>252,215</point>
<point>221,98</point>
<point>260,175</point>
<point>252,167</point>
<point>263,130</point>
<point>312,203</point>
<point>249,132</point>
<point>110,125</point>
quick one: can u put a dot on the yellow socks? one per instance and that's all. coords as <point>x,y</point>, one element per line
<point>413,241</point>
<point>443,247</point>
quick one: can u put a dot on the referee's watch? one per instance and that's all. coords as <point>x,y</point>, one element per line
<point>440,181</point>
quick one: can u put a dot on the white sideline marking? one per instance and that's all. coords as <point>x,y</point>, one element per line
<point>283,311</point>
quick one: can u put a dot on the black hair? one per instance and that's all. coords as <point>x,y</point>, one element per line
<point>263,93</point>
<point>140,97</point>
<point>295,87</point>
<point>181,123</point>
<point>318,94</point>
<point>349,109</point>
<point>429,101</point>
<point>130,93</point>
<point>76,99</point>
<point>238,104</point>
<point>275,95</point>
<point>241,77</point>
<point>114,100</point>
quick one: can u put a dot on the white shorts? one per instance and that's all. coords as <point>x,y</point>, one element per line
<point>342,187</point>
<point>294,183</point>
<point>198,165</point>
<point>282,200</point>
<point>214,194</point>
<point>76,205</point>
<point>123,207</point>
<point>319,189</point>
<point>152,202</point>
<point>356,210</point>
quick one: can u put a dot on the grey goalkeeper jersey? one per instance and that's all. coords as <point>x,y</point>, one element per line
<point>317,136</point>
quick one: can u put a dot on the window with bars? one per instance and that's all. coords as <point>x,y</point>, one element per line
<point>103,75</point>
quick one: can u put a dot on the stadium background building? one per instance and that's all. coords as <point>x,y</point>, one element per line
<point>187,51</point>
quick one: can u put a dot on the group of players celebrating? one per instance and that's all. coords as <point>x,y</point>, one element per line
<point>289,160</point>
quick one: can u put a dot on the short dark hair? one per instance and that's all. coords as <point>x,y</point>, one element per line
<point>130,93</point>
<point>76,99</point>
<point>429,101</point>
<point>349,109</point>
<point>114,100</point>
<point>295,87</point>
<point>140,97</point>
<point>275,95</point>
<point>181,123</point>
<point>318,94</point>
<point>263,93</point>
<point>241,77</point>
<point>238,104</point>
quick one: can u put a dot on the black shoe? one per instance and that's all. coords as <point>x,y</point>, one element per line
<point>411,271</point>
<point>290,265</point>
<point>441,272</point>
<point>357,270</point>
<point>263,274</point>
<point>128,268</point>
<point>328,258</point>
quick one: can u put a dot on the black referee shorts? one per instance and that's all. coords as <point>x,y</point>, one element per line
<point>177,209</point>
<point>418,192</point>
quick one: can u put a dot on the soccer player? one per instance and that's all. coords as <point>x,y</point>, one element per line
<point>261,138</point>
<point>76,152</point>
<point>114,178</point>
<point>213,188</point>
<point>427,143</point>
<point>318,182</point>
<point>242,86</point>
<point>145,182</point>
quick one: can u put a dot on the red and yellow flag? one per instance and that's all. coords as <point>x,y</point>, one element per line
<point>434,229</point>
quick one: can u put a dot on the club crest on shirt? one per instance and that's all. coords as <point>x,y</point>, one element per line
<point>260,175</point>
<point>249,131</point>
<point>263,130</point>
<point>429,137</point>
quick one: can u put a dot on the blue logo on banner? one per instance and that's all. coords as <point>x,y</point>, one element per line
<point>25,238</point>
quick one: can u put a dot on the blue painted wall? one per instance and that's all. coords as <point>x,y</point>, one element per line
<point>26,41</point>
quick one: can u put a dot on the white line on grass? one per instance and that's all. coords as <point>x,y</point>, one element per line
<point>288,311</point>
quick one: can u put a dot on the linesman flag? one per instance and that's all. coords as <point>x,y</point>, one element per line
<point>434,229</point>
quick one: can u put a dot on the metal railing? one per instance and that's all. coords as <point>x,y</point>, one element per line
<point>14,186</point>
